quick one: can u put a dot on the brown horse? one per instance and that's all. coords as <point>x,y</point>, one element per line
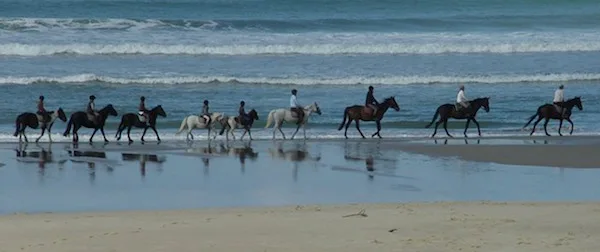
<point>548,111</point>
<point>447,111</point>
<point>357,113</point>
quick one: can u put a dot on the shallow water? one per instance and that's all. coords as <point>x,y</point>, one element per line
<point>59,177</point>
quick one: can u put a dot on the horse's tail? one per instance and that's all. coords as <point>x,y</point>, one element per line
<point>182,127</point>
<point>344,119</point>
<point>69,124</point>
<point>17,126</point>
<point>532,117</point>
<point>270,119</point>
<point>435,116</point>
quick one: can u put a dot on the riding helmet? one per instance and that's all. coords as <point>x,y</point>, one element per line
<point>294,91</point>
<point>370,87</point>
<point>92,97</point>
<point>41,97</point>
<point>143,98</point>
<point>206,102</point>
<point>242,103</point>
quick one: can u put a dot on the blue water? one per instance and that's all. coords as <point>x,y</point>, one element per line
<point>178,53</point>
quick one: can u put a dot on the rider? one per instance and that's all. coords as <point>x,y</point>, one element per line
<point>142,108</point>
<point>242,113</point>
<point>461,100</point>
<point>205,114</point>
<point>42,111</point>
<point>559,100</point>
<point>91,109</point>
<point>295,107</point>
<point>371,102</point>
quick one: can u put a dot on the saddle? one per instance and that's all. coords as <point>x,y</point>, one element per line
<point>141,118</point>
<point>560,110</point>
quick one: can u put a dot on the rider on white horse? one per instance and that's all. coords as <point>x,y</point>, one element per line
<point>142,111</point>
<point>205,114</point>
<point>295,107</point>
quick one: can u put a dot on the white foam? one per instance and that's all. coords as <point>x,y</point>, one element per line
<point>351,80</point>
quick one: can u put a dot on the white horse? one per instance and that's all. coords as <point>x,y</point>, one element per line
<point>230,124</point>
<point>285,115</point>
<point>195,121</point>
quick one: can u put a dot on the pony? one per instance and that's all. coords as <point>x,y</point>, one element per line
<point>285,115</point>
<point>130,120</point>
<point>32,120</point>
<point>80,119</point>
<point>447,111</point>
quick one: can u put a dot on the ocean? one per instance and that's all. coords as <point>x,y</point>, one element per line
<point>178,53</point>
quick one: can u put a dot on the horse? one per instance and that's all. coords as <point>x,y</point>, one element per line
<point>80,119</point>
<point>447,111</point>
<point>32,120</point>
<point>285,115</point>
<point>130,120</point>
<point>356,113</point>
<point>231,123</point>
<point>194,121</point>
<point>548,111</point>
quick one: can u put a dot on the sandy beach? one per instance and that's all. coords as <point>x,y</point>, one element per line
<point>478,226</point>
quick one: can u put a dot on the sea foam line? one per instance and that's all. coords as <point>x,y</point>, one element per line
<point>344,47</point>
<point>352,80</point>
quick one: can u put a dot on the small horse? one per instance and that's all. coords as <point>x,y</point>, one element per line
<point>130,120</point>
<point>32,120</point>
<point>231,123</point>
<point>548,111</point>
<point>285,115</point>
<point>80,119</point>
<point>447,111</point>
<point>357,113</point>
<point>194,121</point>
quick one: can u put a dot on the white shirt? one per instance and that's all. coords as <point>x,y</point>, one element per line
<point>461,97</point>
<point>559,95</point>
<point>294,102</point>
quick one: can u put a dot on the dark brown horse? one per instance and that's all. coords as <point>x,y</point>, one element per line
<point>357,113</point>
<point>447,111</point>
<point>548,111</point>
<point>80,119</point>
<point>32,120</point>
<point>130,120</point>
<point>232,123</point>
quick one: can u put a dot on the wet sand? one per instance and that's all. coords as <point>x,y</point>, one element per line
<point>478,226</point>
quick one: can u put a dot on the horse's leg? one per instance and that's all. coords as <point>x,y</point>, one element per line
<point>76,133</point>
<point>156,133</point>
<point>43,131</point>
<point>560,126</point>
<point>467,127</point>
<point>103,135</point>
<point>282,134</point>
<point>93,133</point>
<point>243,134</point>
<point>446,128</point>
<point>437,124</point>
<point>250,134</point>
<point>304,130</point>
<point>378,124</point>
<point>478,129</point>
<point>346,130</point>
<point>546,125</point>
<point>535,125</point>
<point>50,133</point>
<point>297,128</point>
<point>358,128</point>
<point>128,132</point>
<point>571,122</point>
<point>144,133</point>
<point>23,133</point>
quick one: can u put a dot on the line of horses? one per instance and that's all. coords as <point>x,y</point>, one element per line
<point>277,117</point>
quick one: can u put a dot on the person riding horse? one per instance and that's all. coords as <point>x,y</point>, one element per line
<point>295,107</point>
<point>91,110</point>
<point>142,111</point>
<point>242,116</point>
<point>371,103</point>
<point>559,100</point>
<point>462,102</point>
<point>42,111</point>
<point>205,114</point>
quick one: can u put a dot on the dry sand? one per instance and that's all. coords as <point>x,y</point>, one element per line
<point>394,227</point>
<point>551,155</point>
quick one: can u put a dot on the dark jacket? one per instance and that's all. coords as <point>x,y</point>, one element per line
<point>371,99</point>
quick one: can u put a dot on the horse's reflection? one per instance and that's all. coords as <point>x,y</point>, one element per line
<point>297,154</point>
<point>91,158</point>
<point>42,156</point>
<point>224,150</point>
<point>143,159</point>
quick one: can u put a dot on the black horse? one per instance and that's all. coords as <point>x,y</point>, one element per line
<point>130,120</point>
<point>232,123</point>
<point>357,113</point>
<point>448,111</point>
<point>80,119</point>
<point>548,111</point>
<point>32,120</point>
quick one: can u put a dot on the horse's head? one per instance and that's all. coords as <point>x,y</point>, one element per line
<point>159,111</point>
<point>315,108</point>
<point>110,110</point>
<point>391,102</point>
<point>483,102</point>
<point>61,114</point>
<point>577,101</point>
<point>253,114</point>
